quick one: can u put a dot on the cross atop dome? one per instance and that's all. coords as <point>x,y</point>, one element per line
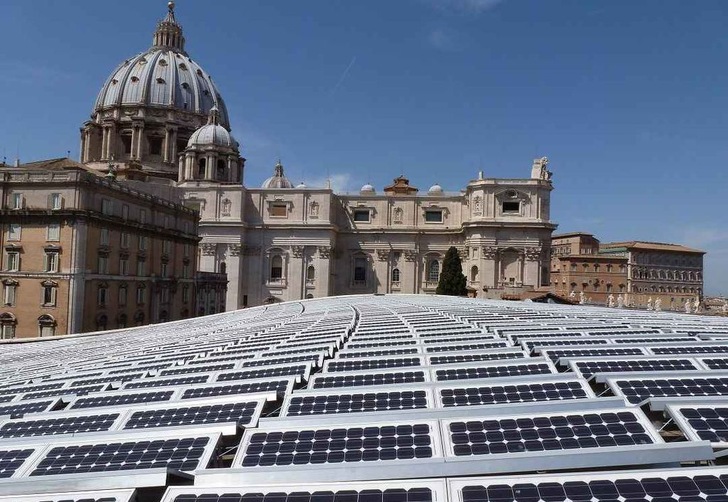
<point>169,32</point>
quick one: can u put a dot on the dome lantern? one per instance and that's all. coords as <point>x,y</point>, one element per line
<point>278,180</point>
<point>169,33</point>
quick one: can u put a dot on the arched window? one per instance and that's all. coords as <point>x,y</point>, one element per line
<point>276,268</point>
<point>7,325</point>
<point>360,270</point>
<point>221,170</point>
<point>310,273</point>
<point>395,275</point>
<point>163,316</point>
<point>433,271</point>
<point>139,318</point>
<point>101,322</point>
<point>46,325</point>
<point>201,167</point>
<point>121,320</point>
<point>223,267</point>
<point>474,273</point>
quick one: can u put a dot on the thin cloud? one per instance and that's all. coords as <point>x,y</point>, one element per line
<point>343,77</point>
<point>442,40</point>
<point>340,182</point>
<point>464,6</point>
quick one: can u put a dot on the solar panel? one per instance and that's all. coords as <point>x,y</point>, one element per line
<point>516,390</point>
<point>468,357</point>
<point>55,424</point>
<point>699,349</point>
<point>121,399</point>
<point>641,388</point>
<point>715,363</point>
<point>26,407</point>
<point>360,379</point>
<point>184,453</point>
<point>456,347</point>
<point>166,382</point>
<point>683,485</point>
<point>344,354</point>
<point>12,459</point>
<point>345,443</point>
<point>532,366</point>
<point>321,403</point>
<point>556,354</point>
<point>369,364</point>
<point>281,386</point>
<point>589,367</point>
<point>300,370</point>
<point>85,496</point>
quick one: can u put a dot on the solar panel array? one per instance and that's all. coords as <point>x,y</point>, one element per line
<point>431,399</point>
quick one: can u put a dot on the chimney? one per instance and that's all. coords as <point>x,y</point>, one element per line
<point>17,162</point>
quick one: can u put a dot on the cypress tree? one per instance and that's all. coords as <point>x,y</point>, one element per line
<point>452,281</point>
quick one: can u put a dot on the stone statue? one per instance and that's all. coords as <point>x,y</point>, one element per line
<point>724,308</point>
<point>696,305</point>
<point>572,295</point>
<point>658,304</point>
<point>687,306</point>
<point>610,301</point>
<point>620,302</point>
<point>539,170</point>
<point>582,298</point>
<point>649,303</point>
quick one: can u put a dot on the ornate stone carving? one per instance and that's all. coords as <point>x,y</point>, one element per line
<point>397,215</point>
<point>297,251</point>
<point>208,249</point>
<point>226,205</point>
<point>463,253</point>
<point>532,253</point>
<point>490,252</point>
<point>235,249</point>
<point>313,209</point>
<point>383,254</point>
<point>410,255</point>
<point>477,204</point>
<point>324,252</point>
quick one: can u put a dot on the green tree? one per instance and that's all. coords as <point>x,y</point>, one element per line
<point>452,281</point>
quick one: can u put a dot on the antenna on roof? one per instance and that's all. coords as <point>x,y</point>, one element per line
<point>68,154</point>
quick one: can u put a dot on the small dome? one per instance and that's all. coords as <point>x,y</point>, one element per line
<point>278,180</point>
<point>212,133</point>
<point>367,190</point>
<point>435,190</point>
<point>301,185</point>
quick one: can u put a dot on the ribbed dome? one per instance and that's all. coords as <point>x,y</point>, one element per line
<point>278,180</point>
<point>367,190</point>
<point>163,76</point>
<point>435,190</point>
<point>212,133</point>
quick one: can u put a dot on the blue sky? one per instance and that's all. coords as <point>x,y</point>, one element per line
<point>627,98</point>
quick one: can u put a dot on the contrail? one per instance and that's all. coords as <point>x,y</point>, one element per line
<point>343,76</point>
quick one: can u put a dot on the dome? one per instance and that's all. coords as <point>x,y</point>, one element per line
<point>367,190</point>
<point>163,76</point>
<point>278,180</point>
<point>212,133</point>
<point>301,185</point>
<point>435,190</point>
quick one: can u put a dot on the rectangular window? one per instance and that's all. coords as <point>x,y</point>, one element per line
<point>101,296</point>
<point>166,221</point>
<point>279,210</point>
<point>141,268</point>
<point>51,261</point>
<point>122,296</point>
<point>166,247</point>
<point>9,295</point>
<point>14,232</point>
<point>185,294</point>
<point>16,201</point>
<point>54,232</point>
<point>124,266</point>
<point>103,264</point>
<point>104,237</point>
<point>361,215</point>
<point>164,269</point>
<point>56,201</point>
<point>49,296</point>
<point>511,207</point>
<point>140,296</point>
<point>142,216</point>
<point>186,250</point>
<point>12,261</point>
<point>125,211</point>
<point>360,270</point>
<point>124,240</point>
<point>186,271</point>
<point>7,331</point>
<point>107,207</point>
<point>164,295</point>
<point>142,243</point>
<point>433,216</point>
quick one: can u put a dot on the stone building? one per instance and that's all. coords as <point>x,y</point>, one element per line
<point>82,252</point>
<point>639,272</point>
<point>159,116</point>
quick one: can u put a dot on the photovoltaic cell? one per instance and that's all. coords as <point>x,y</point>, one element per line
<point>122,399</point>
<point>514,393</point>
<point>640,389</point>
<point>547,433</point>
<point>263,373</point>
<point>370,495</point>
<point>367,379</point>
<point>588,368</point>
<point>182,454</point>
<point>492,371</point>
<point>357,402</point>
<point>11,460</point>
<point>240,388</point>
<point>23,408</point>
<point>709,423</point>
<point>337,445</point>
<point>54,426</point>
<point>467,358</point>
<point>370,364</point>
<point>169,382</point>
<point>240,413</point>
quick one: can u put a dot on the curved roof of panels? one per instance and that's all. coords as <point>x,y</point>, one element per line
<point>396,398</point>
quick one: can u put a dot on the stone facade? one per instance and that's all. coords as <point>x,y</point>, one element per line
<point>85,253</point>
